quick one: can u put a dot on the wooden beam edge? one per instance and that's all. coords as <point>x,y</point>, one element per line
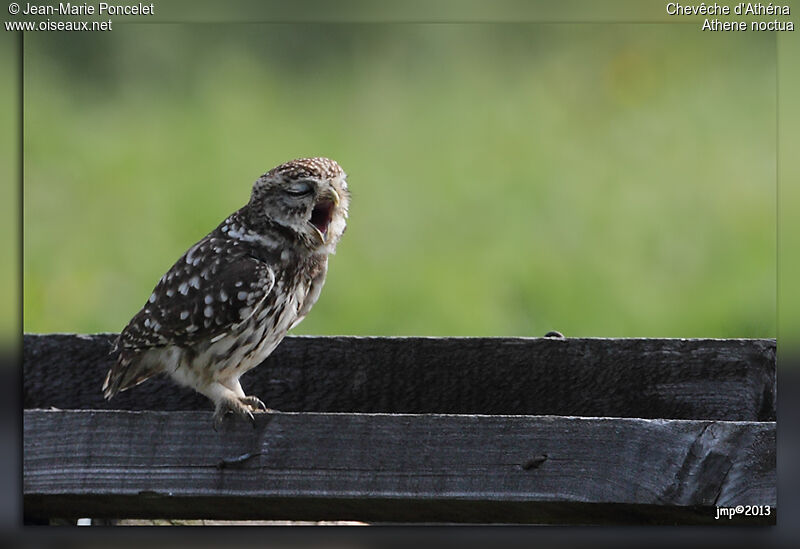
<point>696,465</point>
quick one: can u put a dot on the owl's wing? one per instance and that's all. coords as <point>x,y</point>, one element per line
<point>210,289</point>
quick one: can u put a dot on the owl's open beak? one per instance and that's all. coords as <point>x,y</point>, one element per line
<point>322,214</point>
<point>334,197</point>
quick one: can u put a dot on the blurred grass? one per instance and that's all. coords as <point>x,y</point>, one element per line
<point>9,194</point>
<point>510,179</point>
<point>789,199</point>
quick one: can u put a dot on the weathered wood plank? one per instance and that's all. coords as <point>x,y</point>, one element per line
<point>647,378</point>
<point>380,467</point>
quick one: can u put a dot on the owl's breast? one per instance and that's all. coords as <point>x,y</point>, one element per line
<point>255,339</point>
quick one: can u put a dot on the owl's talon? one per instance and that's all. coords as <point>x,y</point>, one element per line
<point>254,403</point>
<point>239,407</point>
<point>218,418</point>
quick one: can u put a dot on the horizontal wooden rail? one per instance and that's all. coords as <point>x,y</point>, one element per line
<point>471,430</point>
<point>716,379</point>
<point>396,467</point>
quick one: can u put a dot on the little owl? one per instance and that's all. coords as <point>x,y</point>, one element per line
<point>227,303</point>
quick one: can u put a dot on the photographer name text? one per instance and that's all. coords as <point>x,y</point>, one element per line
<point>102,8</point>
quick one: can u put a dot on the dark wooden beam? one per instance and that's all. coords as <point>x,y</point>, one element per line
<point>407,468</point>
<point>647,378</point>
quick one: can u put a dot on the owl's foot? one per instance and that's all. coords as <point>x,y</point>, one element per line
<point>241,406</point>
<point>254,403</point>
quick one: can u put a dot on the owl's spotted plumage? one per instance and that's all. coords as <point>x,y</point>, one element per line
<point>230,299</point>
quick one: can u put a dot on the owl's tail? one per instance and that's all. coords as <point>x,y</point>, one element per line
<point>129,371</point>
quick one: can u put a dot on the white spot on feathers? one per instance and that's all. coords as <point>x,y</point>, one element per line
<point>183,288</point>
<point>208,311</point>
<point>241,296</point>
<point>152,297</point>
<point>195,282</point>
<point>209,299</point>
<point>184,315</point>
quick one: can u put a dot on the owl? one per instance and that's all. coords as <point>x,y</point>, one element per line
<point>225,305</point>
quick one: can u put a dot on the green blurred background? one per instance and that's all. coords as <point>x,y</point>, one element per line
<point>507,179</point>
<point>10,297</point>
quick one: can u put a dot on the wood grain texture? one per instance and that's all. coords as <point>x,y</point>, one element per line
<point>645,378</point>
<point>408,468</point>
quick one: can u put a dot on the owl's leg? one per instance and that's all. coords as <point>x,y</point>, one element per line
<point>225,396</point>
<point>255,403</point>
<point>227,401</point>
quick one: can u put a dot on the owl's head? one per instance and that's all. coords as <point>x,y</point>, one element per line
<point>308,196</point>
